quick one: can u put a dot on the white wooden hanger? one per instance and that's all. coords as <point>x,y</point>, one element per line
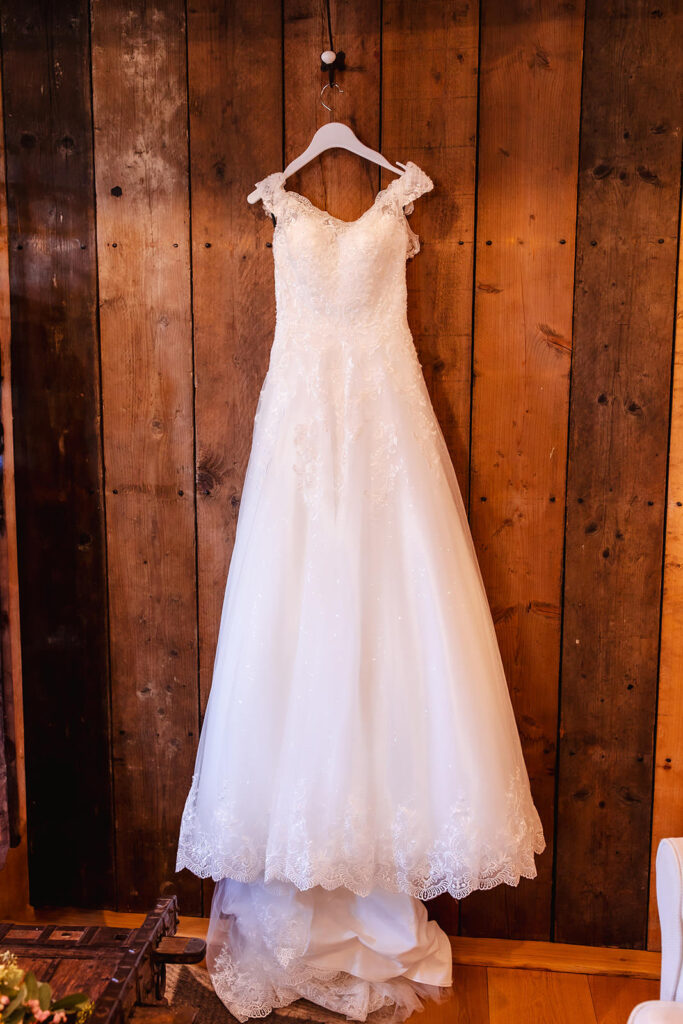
<point>334,135</point>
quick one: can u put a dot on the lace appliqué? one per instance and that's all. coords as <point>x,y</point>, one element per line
<point>344,404</point>
<point>270,192</point>
<point>248,990</point>
<point>397,198</point>
<point>356,855</point>
<point>337,354</point>
<point>412,184</point>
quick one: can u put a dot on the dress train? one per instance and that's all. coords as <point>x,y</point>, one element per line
<point>270,944</point>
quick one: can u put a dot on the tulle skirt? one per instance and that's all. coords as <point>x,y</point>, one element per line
<point>359,738</point>
<point>359,730</point>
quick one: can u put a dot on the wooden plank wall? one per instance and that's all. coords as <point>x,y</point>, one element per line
<point>58,457</point>
<point>624,295</point>
<point>542,306</point>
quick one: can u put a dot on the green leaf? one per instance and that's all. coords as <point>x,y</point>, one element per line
<point>44,995</point>
<point>17,1016</point>
<point>70,1002</point>
<point>19,998</point>
<point>31,983</point>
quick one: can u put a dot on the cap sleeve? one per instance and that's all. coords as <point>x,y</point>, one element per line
<point>412,184</point>
<point>270,191</point>
<point>405,189</point>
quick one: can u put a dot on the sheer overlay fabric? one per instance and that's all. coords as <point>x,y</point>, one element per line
<point>359,738</point>
<point>270,944</point>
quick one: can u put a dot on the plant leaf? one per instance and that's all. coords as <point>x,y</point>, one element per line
<point>16,1016</point>
<point>44,995</point>
<point>70,1002</point>
<point>20,997</point>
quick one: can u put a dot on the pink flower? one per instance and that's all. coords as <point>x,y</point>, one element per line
<point>34,1006</point>
<point>59,1016</point>
<point>4,1000</point>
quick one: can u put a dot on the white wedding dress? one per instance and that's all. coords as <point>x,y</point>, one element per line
<point>359,751</point>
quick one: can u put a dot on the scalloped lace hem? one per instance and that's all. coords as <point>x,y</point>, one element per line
<point>361,884</point>
<point>458,860</point>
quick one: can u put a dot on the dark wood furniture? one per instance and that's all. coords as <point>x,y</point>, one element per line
<point>122,969</point>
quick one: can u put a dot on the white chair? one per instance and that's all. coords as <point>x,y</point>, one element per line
<point>656,1012</point>
<point>668,1009</point>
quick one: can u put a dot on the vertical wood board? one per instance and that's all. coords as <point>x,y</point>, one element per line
<point>10,635</point>
<point>429,116</point>
<point>141,150</point>
<point>629,180</point>
<point>56,395</point>
<point>528,152</point>
<point>233,296</point>
<point>667,808</point>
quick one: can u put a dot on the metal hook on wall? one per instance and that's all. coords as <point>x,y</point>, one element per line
<point>329,85</point>
<point>331,60</point>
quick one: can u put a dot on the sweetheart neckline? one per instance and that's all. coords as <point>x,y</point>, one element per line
<point>338,220</point>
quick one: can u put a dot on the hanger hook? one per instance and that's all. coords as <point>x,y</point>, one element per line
<point>328,86</point>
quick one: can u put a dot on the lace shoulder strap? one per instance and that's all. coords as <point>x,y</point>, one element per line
<point>270,191</point>
<point>402,192</point>
<point>411,184</point>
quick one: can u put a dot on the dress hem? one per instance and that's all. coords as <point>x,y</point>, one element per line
<point>458,888</point>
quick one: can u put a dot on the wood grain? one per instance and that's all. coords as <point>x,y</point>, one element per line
<point>614,998</point>
<point>467,1003</point>
<point>56,395</point>
<point>555,956</point>
<point>233,296</point>
<point>623,314</point>
<point>667,806</point>
<point>8,799</point>
<point>528,150</point>
<point>553,998</point>
<point>141,160</point>
<point>429,115</point>
<point>14,831</point>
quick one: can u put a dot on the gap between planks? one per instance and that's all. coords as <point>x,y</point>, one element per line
<point>476,952</point>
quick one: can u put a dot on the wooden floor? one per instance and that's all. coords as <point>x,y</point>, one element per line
<point>496,981</point>
<point>509,995</point>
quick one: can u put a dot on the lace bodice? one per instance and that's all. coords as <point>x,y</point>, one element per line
<point>330,268</point>
<point>342,333</point>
